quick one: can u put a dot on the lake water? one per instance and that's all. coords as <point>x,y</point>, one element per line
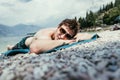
<point>4,41</point>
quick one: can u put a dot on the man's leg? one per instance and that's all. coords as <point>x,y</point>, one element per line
<point>9,47</point>
<point>19,45</point>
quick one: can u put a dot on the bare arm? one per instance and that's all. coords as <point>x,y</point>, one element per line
<point>39,46</point>
<point>83,36</point>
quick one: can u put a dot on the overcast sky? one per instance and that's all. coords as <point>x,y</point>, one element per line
<point>45,13</point>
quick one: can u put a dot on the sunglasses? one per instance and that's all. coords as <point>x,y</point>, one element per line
<point>68,36</point>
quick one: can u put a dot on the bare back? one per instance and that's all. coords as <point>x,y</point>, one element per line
<point>45,34</point>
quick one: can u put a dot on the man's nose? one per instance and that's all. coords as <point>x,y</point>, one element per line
<point>63,36</point>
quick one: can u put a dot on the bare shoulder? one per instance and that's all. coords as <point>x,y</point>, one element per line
<point>46,30</point>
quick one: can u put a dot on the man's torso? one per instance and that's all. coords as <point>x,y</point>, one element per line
<point>44,34</point>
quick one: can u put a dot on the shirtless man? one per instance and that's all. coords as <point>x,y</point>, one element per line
<point>47,39</point>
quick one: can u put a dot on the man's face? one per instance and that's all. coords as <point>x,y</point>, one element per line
<point>63,33</point>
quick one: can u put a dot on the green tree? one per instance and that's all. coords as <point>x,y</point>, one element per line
<point>117,3</point>
<point>106,19</point>
<point>90,19</point>
<point>75,18</point>
<point>111,5</point>
<point>83,23</point>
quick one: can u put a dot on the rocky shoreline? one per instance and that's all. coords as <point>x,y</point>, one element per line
<point>96,60</point>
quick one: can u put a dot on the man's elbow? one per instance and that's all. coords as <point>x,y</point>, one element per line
<point>35,49</point>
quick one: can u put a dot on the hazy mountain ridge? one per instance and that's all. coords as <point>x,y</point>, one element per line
<point>4,30</point>
<point>18,30</point>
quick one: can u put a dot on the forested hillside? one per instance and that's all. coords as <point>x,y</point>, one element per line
<point>106,15</point>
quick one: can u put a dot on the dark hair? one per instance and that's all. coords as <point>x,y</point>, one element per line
<point>71,23</point>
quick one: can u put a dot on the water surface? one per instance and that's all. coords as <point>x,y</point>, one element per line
<point>4,41</point>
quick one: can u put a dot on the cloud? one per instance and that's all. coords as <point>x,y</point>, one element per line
<point>25,1</point>
<point>45,12</point>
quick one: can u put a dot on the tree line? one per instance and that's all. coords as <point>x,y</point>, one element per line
<point>105,15</point>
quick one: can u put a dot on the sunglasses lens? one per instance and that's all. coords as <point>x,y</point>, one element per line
<point>62,31</point>
<point>68,36</point>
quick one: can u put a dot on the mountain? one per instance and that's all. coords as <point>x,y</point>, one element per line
<point>4,29</point>
<point>22,29</point>
<point>18,30</point>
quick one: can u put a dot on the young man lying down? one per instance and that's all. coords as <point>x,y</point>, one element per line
<point>46,39</point>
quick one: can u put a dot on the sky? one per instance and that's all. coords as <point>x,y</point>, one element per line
<point>45,13</point>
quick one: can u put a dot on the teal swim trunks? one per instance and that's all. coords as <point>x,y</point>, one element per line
<point>21,44</point>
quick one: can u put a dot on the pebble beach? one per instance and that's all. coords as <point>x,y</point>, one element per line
<point>96,60</point>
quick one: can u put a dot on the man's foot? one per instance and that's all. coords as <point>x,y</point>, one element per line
<point>9,47</point>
